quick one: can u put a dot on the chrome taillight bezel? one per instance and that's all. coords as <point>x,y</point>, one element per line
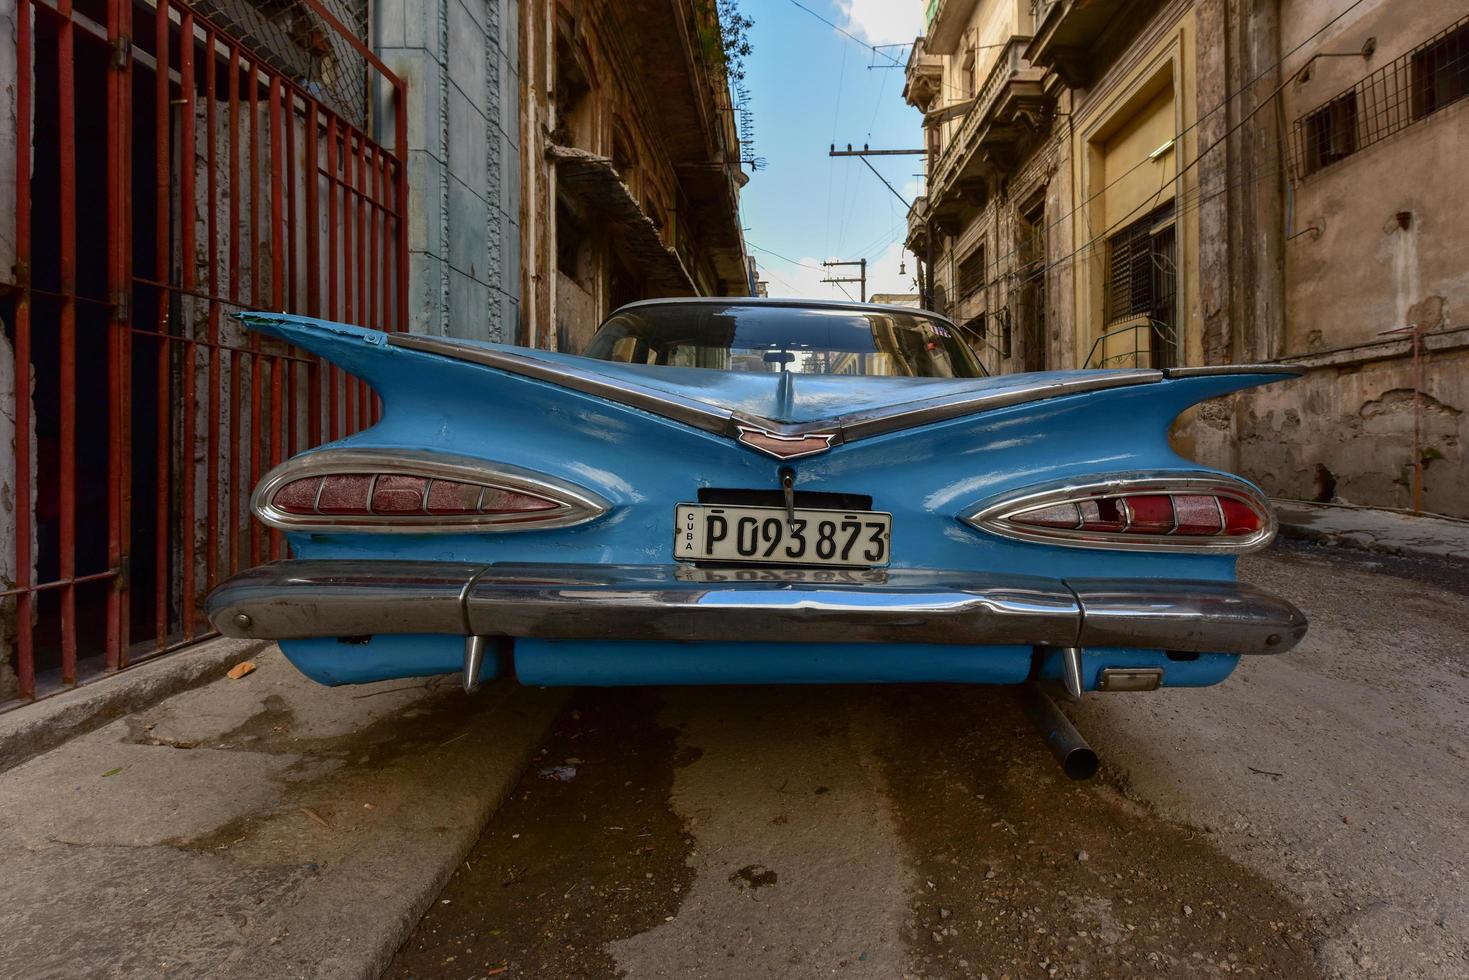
<point>574,504</point>
<point>994,515</point>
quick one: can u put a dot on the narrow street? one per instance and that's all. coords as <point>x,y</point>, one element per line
<point>1304,819</point>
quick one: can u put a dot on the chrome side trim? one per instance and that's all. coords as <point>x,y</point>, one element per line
<point>700,415</point>
<point>789,303</point>
<point>993,515</point>
<point>1202,617</point>
<point>712,418</point>
<point>1212,370</point>
<point>327,598</point>
<point>575,505</point>
<point>864,425</point>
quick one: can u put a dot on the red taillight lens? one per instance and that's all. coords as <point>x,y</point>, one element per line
<point>1150,514</point>
<point>1239,517</point>
<point>397,494</point>
<point>418,491</point>
<point>1197,514</point>
<point>1217,518</point>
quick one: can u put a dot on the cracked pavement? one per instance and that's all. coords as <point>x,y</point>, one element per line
<point>1306,818</point>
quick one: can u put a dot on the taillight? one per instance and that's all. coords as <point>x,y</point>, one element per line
<point>1186,511</point>
<point>408,490</point>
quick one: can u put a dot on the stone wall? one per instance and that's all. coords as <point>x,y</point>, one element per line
<point>460,60</point>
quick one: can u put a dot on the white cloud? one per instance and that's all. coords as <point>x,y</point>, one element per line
<point>804,281</point>
<point>882,21</point>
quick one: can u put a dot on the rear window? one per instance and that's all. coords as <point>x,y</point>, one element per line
<point>772,339</point>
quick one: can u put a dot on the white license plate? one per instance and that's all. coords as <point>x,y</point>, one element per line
<point>768,535</point>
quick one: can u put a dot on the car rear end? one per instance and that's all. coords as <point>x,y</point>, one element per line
<point>572,522</point>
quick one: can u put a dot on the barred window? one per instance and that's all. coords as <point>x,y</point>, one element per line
<point>972,272</point>
<point>1142,282</point>
<point>1331,132</point>
<point>1138,275</point>
<point>1406,90</point>
<point>1441,72</point>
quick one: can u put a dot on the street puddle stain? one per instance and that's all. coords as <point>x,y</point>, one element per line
<point>753,876</point>
<point>566,866</point>
<point>1024,873</point>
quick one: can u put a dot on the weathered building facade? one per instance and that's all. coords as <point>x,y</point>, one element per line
<point>1193,182</point>
<point>631,162</point>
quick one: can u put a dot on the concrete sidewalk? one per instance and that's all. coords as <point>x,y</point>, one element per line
<point>1389,531</point>
<point>260,827</point>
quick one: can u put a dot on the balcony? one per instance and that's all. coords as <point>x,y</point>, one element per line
<point>923,76</point>
<point>917,240</point>
<point>1007,111</point>
<point>1067,32</point>
<point>947,20</point>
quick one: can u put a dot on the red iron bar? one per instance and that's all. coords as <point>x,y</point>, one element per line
<point>313,214</point>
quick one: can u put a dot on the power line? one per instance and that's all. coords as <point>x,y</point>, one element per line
<point>849,34</point>
<point>1187,129</point>
<point>787,258</point>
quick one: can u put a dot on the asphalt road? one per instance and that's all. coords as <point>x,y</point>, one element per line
<point>1307,818</point>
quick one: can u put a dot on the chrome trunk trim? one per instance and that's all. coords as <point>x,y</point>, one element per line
<point>1214,370</point>
<point>316,598</point>
<point>700,415</point>
<point>711,418</point>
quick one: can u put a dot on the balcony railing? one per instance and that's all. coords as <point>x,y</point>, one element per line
<point>1010,62</point>
<point>1038,11</point>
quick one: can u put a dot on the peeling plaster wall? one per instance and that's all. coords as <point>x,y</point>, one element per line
<point>1374,243</point>
<point>1346,433</point>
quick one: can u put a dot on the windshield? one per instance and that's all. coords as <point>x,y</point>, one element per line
<point>771,339</point>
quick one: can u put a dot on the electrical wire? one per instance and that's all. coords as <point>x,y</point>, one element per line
<point>1178,144</point>
<point>787,258</point>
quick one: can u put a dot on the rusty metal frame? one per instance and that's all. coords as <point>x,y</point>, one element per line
<point>283,171</point>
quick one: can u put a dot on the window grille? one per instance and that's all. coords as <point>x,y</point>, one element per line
<point>1142,285</point>
<point>1139,278</point>
<point>972,273</point>
<point>1428,78</point>
<point>1331,132</point>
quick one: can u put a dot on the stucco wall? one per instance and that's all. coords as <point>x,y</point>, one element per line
<point>1346,433</point>
<point>1375,242</point>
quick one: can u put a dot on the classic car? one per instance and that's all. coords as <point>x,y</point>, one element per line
<point>738,490</point>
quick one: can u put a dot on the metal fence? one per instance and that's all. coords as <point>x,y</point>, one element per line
<point>1410,88</point>
<point>167,174</point>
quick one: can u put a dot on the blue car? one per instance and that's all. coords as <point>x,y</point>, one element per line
<point>731,491</point>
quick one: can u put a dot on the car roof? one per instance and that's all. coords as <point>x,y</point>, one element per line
<point>783,303</point>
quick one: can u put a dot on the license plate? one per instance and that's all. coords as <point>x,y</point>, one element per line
<point>769,535</point>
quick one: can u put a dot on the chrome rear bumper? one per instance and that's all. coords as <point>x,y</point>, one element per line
<point>329,598</point>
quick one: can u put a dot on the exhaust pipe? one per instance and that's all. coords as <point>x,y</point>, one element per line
<point>1077,759</point>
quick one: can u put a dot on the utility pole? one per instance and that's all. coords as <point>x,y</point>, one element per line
<point>862,277</point>
<point>863,154</point>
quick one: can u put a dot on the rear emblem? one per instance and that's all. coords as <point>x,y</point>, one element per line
<point>786,447</point>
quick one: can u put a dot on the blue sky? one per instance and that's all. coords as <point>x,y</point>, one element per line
<point>810,86</point>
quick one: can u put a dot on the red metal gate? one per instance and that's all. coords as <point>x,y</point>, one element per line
<point>168,174</point>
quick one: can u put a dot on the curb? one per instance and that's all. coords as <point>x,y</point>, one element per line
<point>28,731</point>
<point>1362,541</point>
